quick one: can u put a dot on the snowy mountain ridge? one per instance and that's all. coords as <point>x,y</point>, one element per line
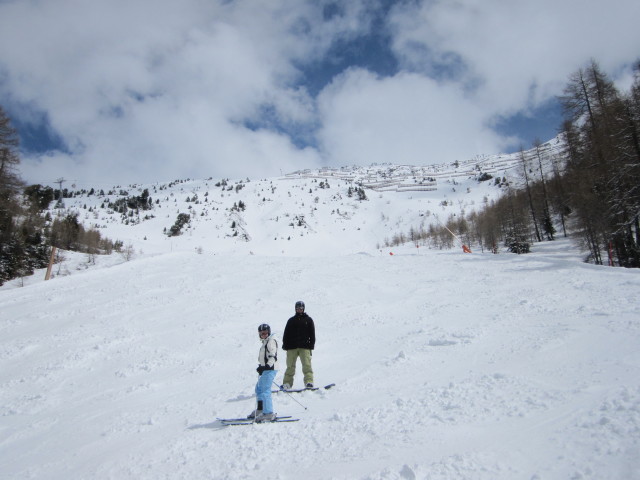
<point>351,209</point>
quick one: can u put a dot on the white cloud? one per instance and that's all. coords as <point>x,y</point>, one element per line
<point>518,54</point>
<point>143,89</point>
<point>403,119</point>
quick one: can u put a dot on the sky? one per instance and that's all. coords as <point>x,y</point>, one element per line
<point>123,91</point>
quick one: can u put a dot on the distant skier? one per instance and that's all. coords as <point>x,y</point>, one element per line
<point>267,369</point>
<point>299,340</point>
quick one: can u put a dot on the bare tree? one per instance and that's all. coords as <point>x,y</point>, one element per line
<point>547,222</point>
<point>602,133</point>
<point>532,210</point>
<point>9,158</point>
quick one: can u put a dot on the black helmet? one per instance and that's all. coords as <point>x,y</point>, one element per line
<point>264,327</point>
<point>300,304</point>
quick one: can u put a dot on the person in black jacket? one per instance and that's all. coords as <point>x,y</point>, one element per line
<point>298,340</point>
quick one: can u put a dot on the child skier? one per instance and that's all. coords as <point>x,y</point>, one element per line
<point>267,369</point>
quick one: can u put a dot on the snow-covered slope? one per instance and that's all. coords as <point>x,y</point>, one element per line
<point>447,366</point>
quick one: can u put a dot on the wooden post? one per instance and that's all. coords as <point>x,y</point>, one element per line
<point>53,256</point>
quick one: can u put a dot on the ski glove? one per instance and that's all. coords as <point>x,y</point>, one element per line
<point>260,369</point>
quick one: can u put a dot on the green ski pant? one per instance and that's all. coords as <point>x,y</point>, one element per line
<point>305,359</point>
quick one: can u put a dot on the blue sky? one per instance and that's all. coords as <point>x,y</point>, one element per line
<point>120,91</point>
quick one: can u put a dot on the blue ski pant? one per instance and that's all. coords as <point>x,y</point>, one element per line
<point>263,390</point>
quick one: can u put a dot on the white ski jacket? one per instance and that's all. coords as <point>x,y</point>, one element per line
<point>268,355</point>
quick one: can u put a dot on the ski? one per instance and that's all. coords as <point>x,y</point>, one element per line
<point>243,419</point>
<point>311,389</point>
<point>247,421</point>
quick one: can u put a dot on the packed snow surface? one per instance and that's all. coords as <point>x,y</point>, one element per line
<point>447,366</point>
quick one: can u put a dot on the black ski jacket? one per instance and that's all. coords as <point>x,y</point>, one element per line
<point>300,332</point>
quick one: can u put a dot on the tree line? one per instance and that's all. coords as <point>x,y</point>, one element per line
<point>588,190</point>
<point>27,229</point>
<point>602,134</point>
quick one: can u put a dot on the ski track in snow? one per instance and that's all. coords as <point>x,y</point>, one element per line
<point>446,366</point>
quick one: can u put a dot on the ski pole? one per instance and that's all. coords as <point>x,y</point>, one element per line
<point>294,399</point>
